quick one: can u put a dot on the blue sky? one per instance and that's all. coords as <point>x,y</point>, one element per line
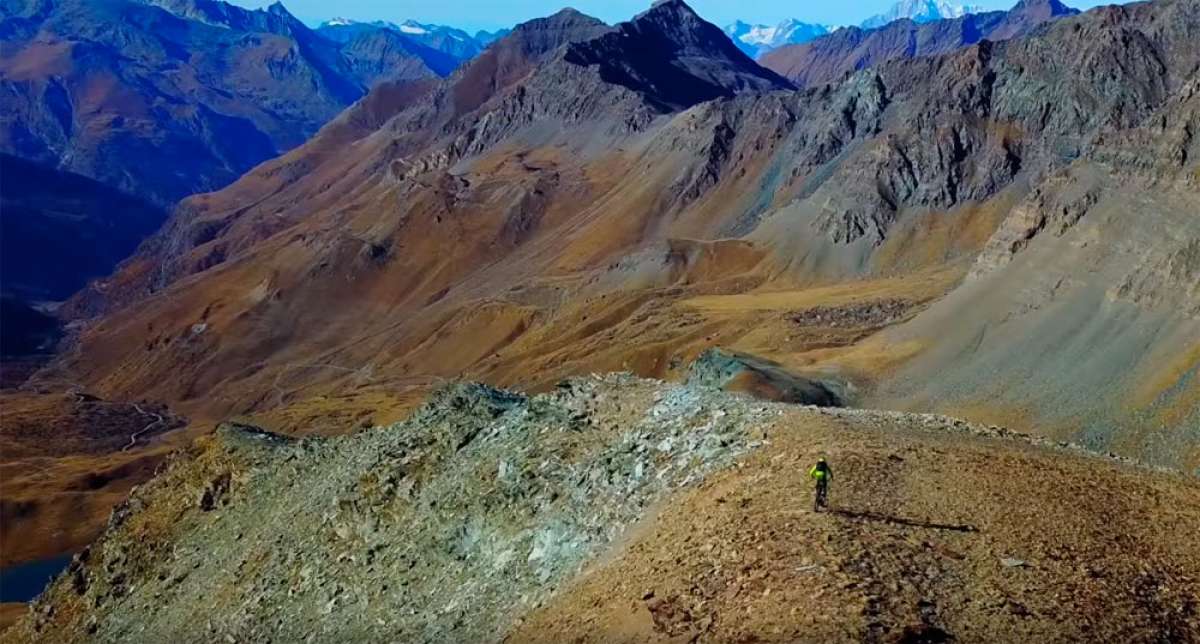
<point>492,14</point>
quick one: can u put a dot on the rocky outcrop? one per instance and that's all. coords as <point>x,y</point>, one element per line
<point>763,379</point>
<point>1054,206</point>
<point>480,505</point>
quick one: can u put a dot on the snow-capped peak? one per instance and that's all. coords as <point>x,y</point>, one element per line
<point>756,40</point>
<point>413,27</point>
<point>339,22</point>
<point>922,11</point>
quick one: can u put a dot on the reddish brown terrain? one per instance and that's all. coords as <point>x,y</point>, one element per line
<point>999,232</point>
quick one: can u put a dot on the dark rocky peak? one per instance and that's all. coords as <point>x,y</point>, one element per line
<point>544,35</point>
<point>677,21</point>
<point>512,57</point>
<point>674,57</point>
<point>1027,15</point>
<point>1044,8</point>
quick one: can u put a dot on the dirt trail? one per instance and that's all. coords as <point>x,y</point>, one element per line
<point>133,438</point>
<point>932,535</point>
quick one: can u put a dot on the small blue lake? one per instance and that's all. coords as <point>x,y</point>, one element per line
<point>23,582</point>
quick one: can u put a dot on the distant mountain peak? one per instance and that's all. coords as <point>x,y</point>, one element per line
<point>921,11</point>
<point>673,57</point>
<point>1050,7</point>
<point>846,50</point>
<point>414,28</point>
<point>447,40</point>
<point>757,40</point>
<point>563,19</point>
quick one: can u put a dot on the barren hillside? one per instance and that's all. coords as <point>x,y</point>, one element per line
<point>553,209</point>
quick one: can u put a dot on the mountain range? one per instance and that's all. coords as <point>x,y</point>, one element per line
<point>756,40</point>
<point>921,11</point>
<point>950,217</point>
<point>455,42</point>
<point>169,98</point>
<point>848,50</point>
<point>113,111</point>
<point>483,215</point>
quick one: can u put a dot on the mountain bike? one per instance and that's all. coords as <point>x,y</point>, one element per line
<point>821,499</point>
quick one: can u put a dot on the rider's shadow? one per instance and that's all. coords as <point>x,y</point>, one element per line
<point>894,520</point>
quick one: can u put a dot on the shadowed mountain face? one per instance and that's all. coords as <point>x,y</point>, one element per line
<point>568,203</point>
<point>830,58</point>
<point>60,229</point>
<point>168,98</point>
<point>57,230</point>
<point>671,54</point>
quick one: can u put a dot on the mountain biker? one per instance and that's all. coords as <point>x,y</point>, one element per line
<point>822,474</point>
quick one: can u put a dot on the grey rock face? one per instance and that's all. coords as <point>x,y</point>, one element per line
<point>720,369</point>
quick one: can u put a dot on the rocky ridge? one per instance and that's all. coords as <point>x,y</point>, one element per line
<point>464,521</point>
<point>503,496</point>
